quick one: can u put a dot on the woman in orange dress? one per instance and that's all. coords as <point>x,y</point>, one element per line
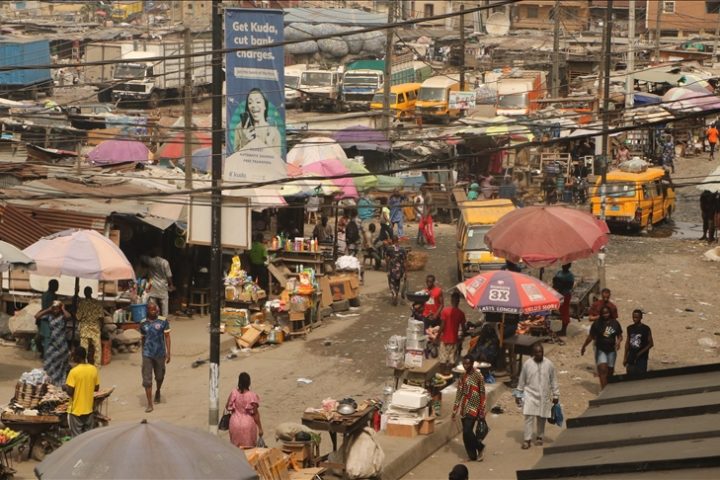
<point>245,425</point>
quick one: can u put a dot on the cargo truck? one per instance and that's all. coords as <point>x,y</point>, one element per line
<point>126,11</point>
<point>101,76</point>
<point>362,78</point>
<point>20,83</point>
<point>519,91</point>
<point>140,79</point>
<point>320,89</point>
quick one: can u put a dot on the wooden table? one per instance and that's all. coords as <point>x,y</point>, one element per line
<point>348,425</point>
<point>419,376</point>
<point>519,345</point>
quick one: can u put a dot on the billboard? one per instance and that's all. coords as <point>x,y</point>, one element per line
<point>255,85</point>
<point>462,100</point>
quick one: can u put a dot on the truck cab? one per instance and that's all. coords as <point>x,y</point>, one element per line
<point>137,78</point>
<point>359,86</point>
<point>292,84</point>
<point>518,92</point>
<point>433,101</point>
<point>320,89</point>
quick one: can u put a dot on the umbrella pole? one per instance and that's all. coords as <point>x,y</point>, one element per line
<point>502,330</point>
<point>75,307</point>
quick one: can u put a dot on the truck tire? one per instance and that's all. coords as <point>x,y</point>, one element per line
<point>154,100</point>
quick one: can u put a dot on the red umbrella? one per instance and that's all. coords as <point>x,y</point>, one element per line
<point>174,147</point>
<point>543,235</point>
<point>503,291</point>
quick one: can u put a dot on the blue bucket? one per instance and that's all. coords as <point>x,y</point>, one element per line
<point>139,312</point>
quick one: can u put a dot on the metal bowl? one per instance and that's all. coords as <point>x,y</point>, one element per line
<point>346,409</point>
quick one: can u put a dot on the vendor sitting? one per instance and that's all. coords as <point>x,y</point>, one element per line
<point>486,346</point>
<point>431,327</point>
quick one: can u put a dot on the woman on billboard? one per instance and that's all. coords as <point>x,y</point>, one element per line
<point>254,130</point>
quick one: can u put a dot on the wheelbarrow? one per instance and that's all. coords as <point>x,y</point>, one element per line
<point>43,432</point>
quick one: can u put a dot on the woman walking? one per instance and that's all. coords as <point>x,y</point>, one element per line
<point>55,361</point>
<point>607,335</point>
<point>395,258</point>
<point>245,425</point>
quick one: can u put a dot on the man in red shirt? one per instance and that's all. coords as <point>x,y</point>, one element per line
<point>435,303</point>
<point>451,320</point>
<point>594,312</point>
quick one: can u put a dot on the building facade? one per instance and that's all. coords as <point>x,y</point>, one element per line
<point>538,15</point>
<point>682,17</point>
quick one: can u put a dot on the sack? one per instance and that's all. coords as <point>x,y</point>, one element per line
<point>363,455</point>
<point>481,429</point>
<point>352,233</point>
<point>224,423</point>
<point>261,442</point>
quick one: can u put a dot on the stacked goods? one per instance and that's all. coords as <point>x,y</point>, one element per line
<point>269,463</point>
<point>7,435</point>
<point>407,411</point>
<point>395,348</point>
<point>28,395</point>
<point>415,343</point>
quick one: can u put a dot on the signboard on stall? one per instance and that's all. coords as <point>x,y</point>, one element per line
<point>255,107</point>
<point>235,218</point>
<point>462,100</point>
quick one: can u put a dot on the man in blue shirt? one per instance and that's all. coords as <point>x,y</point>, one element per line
<point>155,333</point>
<point>396,212</point>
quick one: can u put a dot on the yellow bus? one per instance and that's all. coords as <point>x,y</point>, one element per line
<point>433,102</point>
<point>635,200</point>
<point>402,100</point>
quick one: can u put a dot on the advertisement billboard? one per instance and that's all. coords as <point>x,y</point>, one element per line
<point>255,84</point>
<point>462,100</point>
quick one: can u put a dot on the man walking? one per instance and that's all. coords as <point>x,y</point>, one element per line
<point>81,384</point>
<point>419,205</point>
<point>563,282</point>
<point>712,135</point>
<point>161,279</point>
<point>638,344</point>
<point>604,301</point>
<point>539,391</point>
<point>452,319</point>
<point>707,210</point>
<point>396,212</point>
<point>155,352</point>
<point>470,403</point>
<point>606,332</point>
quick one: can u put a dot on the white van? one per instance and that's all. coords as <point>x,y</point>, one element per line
<point>292,84</point>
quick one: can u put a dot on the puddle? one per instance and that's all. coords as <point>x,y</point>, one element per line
<point>671,229</point>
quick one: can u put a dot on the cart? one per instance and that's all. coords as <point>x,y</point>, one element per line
<point>43,432</point>
<point>6,455</point>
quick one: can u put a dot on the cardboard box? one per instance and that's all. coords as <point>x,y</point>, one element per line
<point>297,316</point>
<point>401,430</point>
<point>344,287</point>
<point>414,358</point>
<point>427,426</point>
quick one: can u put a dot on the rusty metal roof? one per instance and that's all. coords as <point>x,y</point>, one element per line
<point>56,220</point>
<point>18,228</point>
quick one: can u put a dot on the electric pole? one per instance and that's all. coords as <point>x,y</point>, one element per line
<point>660,5</point>
<point>387,69</point>
<point>215,214</point>
<point>715,41</point>
<point>607,50</point>
<point>556,51</point>
<point>630,69</point>
<point>187,117</point>
<point>462,48</point>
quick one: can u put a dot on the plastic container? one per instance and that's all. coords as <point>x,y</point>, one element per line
<point>139,312</point>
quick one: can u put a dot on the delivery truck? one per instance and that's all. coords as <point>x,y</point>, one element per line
<point>362,78</point>
<point>518,92</point>
<point>25,83</point>
<point>143,78</point>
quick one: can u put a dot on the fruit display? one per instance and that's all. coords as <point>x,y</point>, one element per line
<point>7,435</point>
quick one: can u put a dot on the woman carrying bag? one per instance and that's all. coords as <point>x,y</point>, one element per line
<point>244,425</point>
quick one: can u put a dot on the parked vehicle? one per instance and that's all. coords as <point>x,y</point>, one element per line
<point>101,76</point>
<point>519,92</point>
<point>635,200</point>
<point>320,89</point>
<point>19,83</point>
<point>402,100</point>
<point>363,78</point>
<point>126,11</point>
<point>423,71</point>
<point>476,219</point>
<point>292,84</point>
<point>433,99</point>
<point>151,81</point>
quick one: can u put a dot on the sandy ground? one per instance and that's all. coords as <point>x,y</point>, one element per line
<point>663,273</point>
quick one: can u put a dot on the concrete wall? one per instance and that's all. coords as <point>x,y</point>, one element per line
<point>682,16</point>
<point>536,15</point>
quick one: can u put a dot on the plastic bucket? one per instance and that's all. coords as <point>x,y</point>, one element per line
<point>139,312</point>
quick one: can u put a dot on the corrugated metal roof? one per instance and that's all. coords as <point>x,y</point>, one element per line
<point>55,220</point>
<point>18,228</point>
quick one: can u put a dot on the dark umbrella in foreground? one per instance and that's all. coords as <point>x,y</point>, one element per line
<point>156,450</point>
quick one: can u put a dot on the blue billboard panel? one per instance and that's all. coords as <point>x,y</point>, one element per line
<point>255,85</point>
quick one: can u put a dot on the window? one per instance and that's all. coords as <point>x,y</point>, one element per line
<point>429,10</point>
<point>531,11</point>
<point>668,6</point>
<point>712,6</point>
<point>412,94</point>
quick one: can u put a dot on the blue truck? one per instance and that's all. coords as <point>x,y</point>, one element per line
<point>25,83</point>
<point>363,78</point>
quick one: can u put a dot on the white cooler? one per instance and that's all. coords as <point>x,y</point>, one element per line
<point>410,397</point>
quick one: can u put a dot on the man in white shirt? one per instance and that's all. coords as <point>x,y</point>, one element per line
<point>539,391</point>
<point>419,212</point>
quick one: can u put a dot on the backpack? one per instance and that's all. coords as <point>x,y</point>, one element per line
<point>352,233</point>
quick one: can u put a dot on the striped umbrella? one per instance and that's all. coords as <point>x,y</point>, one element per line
<point>503,291</point>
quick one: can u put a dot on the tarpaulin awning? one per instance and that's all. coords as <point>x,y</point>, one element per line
<point>362,138</point>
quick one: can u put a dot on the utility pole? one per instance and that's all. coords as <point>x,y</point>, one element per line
<point>462,48</point>
<point>387,70</point>
<point>187,118</point>
<point>660,5</point>
<point>215,214</point>
<point>556,51</point>
<point>715,42</point>
<point>629,78</point>
<point>607,44</point>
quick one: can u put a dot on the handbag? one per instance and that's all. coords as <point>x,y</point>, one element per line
<point>556,415</point>
<point>481,429</point>
<point>224,423</point>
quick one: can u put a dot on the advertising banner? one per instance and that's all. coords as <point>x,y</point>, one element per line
<point>255,84</point>
<point>462,100</point>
